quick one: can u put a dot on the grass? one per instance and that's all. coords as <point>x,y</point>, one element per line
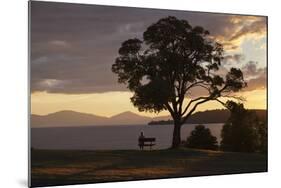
<point>58,167</point>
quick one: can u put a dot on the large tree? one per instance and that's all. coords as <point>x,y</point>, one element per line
<point>164,69</point>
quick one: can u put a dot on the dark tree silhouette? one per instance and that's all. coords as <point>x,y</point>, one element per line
<point>262,131</point>
<point>243,132</point>
<point>201,138</point>
<point>164,68</point>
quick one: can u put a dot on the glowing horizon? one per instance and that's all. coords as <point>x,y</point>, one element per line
<point>71,68</point>
<point>112,103</point>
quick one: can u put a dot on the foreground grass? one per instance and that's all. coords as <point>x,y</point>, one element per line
<point>54,167</point>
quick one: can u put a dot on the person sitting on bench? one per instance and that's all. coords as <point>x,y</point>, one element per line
<point>143,141</point>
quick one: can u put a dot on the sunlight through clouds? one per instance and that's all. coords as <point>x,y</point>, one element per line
<point>71,59</point>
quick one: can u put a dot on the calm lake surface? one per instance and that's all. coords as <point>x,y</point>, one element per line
<point>109,137</point>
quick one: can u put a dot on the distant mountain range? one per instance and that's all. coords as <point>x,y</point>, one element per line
<point>69,118</point>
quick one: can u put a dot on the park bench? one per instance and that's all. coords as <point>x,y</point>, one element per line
<point>146,142</point>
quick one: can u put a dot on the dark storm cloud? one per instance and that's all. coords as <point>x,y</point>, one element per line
<point>251,69</point>
<point>234,58</point>
<point>255,77</point>
<point>73,46</point>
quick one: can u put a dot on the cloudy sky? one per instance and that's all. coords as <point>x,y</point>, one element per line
<point>73,47</point>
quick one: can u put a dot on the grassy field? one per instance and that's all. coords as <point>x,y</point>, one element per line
<point>54,167</point>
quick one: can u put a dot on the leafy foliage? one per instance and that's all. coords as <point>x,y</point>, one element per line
<point>243,132</point>
<point>172,59</point>
<point>201,138</point>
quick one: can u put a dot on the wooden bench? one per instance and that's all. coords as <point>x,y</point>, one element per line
<point>146,142</point>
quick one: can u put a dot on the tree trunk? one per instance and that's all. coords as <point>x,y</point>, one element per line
<point>176,135</point>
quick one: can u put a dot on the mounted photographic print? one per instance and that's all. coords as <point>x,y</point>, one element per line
<point>121,94</point>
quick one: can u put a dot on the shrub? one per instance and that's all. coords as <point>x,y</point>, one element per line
<point>201,138</point>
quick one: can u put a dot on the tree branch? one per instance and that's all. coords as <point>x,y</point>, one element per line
<point>220,102</point>
<point>193,84</point>
<point>194,108</point>
<point>190,102</point>
<point>239,98</point>
<point>205,99</point>
<point>170,110</point>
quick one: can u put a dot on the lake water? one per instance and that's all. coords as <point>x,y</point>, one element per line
<point>109,137</point>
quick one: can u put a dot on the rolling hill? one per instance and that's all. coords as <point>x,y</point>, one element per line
<point>69,118</point>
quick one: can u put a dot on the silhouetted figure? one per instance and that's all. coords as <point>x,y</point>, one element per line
<point>141,140</point>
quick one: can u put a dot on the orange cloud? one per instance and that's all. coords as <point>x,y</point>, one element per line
<point>241,28</point>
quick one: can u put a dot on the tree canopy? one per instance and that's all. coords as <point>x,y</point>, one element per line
<point>244,131</point>
<point>170,61</point>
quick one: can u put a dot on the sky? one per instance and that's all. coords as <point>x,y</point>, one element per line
<point>73,47</point>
